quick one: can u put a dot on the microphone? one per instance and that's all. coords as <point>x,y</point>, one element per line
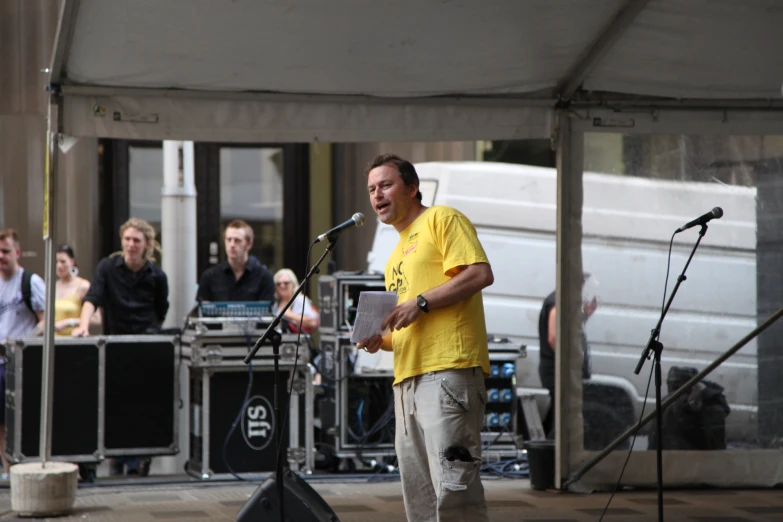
<point>715,213</point>
<point>356,220</point>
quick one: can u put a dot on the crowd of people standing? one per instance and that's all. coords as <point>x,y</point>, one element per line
<point>129,295</point>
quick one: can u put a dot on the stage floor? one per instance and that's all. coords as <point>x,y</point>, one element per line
<point>359,500</point>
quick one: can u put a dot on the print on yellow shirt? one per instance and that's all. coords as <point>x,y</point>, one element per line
<point>435,247</point>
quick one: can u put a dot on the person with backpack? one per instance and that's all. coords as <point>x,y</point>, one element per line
<point>22,297</point>
<point>22,293</point>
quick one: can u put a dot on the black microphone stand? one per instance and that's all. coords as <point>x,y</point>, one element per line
<point>274,338</point>
<point>654,346</point>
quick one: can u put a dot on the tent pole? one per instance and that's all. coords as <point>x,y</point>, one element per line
<point>50,238</point>
<point>568,282</point>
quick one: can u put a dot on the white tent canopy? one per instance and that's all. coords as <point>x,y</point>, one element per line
<point>358,70</point>
<point>352,70</point>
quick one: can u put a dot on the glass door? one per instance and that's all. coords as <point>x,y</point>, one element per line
<point>251,189</point>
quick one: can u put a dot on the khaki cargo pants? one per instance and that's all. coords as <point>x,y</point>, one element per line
<point>436,411</point>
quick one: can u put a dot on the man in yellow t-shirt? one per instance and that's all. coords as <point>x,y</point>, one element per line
<point>439,339</point>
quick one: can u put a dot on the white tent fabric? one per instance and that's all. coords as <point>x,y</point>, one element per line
<point>414,48</point>
<point>439,59</point>
<point>697,49</point>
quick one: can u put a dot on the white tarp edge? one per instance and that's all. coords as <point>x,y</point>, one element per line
<point>724,469</point>
<point>301,120</point>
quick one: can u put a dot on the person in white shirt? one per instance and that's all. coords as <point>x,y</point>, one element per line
<point>22,299</point>
<point>285,285</point>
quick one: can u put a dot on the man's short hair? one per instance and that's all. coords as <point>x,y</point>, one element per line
<point>238,223</point>
<point>10,233</point>
<point>404,167</point>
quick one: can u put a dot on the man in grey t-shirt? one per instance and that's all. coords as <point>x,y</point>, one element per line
<point>16,317</point>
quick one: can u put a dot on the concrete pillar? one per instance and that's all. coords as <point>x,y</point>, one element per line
<point>178,241</point>
<point>178,228</point>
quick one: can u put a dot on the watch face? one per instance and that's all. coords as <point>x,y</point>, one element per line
<point>421,302</point>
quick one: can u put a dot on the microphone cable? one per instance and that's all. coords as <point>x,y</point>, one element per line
<point>238,418</point>
<point>287,402</point>
<point>647,391</point>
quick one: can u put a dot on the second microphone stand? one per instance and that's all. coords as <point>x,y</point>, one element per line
<point>655,348</point>
<point>273,337</point>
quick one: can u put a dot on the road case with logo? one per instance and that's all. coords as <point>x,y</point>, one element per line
<point>232,419</point>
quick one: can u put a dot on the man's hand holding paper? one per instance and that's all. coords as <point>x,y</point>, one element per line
<point>371,312</point>
<point>373,344</point>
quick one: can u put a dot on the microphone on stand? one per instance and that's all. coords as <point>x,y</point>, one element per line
<point>356,220</point>
<point>715,213</point>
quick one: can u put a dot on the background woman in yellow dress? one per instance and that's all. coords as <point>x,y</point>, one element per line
<point>70,290</point>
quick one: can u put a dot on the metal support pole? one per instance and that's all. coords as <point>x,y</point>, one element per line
<point>50,238</point>
<point>569,288</point>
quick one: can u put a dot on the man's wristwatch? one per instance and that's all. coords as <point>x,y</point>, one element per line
<point>422,302</point>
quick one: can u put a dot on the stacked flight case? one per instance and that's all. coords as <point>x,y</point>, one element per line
<point>338,297</point>
<point>232,418</point>
<point>356,412</point>
<point>113,396</point>
<point>502,425</point>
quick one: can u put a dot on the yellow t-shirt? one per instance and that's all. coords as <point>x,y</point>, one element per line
<point>429,253</point>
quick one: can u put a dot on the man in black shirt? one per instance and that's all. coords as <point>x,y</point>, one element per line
<point>240,277</point>
<point>547,341</point>
<point>134,294</point>
<point>132,290</point>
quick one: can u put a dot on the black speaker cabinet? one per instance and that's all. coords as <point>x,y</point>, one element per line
<point>77,395</point>
<point>301,503</point>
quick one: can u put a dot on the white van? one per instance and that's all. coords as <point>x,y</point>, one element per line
<point>627,224</point>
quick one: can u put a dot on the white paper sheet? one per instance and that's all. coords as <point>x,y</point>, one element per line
<point>372,310</point>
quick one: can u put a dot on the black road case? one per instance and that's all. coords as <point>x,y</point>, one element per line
<point>77,406</point>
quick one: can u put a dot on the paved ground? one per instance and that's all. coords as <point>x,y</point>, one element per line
<point>357,500</point>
